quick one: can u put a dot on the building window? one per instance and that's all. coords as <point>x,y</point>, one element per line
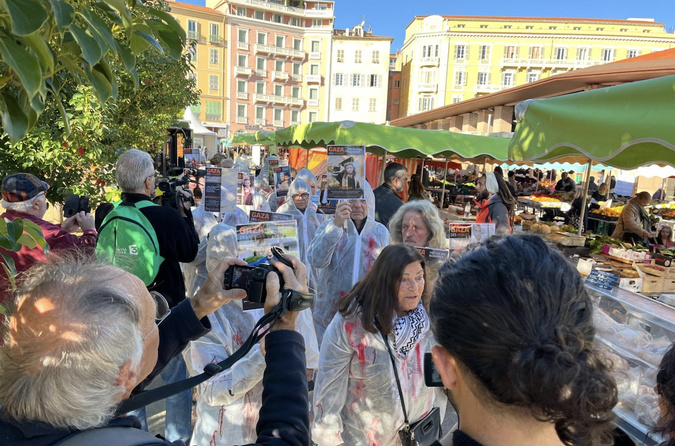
<point>536,52</point>
<point>259,114</point>
<point>624,30</point>
<point>213,82</point>
<point>241,86</point>
<point>583,54</point>
<point>529,27</point>
<point>297,44</point>
<point>278,65</point>
<point>215,33</point>
<point>260,63</point>
<point>357,56</point>
<point>213,56</point>
<point>212,111</point>
<point>456,98</point>
<point>276,18</point>
<point>339,80</point>
<point>560,53</point>
<point>461,25</point>
<point>428,76</point>
<point>193,31</point>
<point>297,68</point>
<point>260,87</point>
<point>278,115</point>
<point>484,52</point>
<point>460,52</point>
<point>295,117</point>
<point>262,38</point>
<point>552,27</point>
<point>317,23</point>
<point>315,46</point>
<point>374,80</point>
<point>507,79</point>
<point>340,56</point>
<point>241,110</point>
<point>397,84</point>
<point>577,28</point>
<point>314,93</point>
<point>460,78</point>
<point>429,51</point>
<point>511,52</point>
<point>372,104</point>
<point>506,27</point>
<point>313,116</point>
<point>280,41</point>
<point>608,54</point>
<point>295,92</point>
<point>355,104</point>
<point>425,103</point>
<point>483,26</point>
<point>242,60</point>
<point>632,53</point>
<point>599,29</point>
<point>483,79</point>
<point>192,53</point>
<point>338,104</point>
<point>295,21</point>
<point>645,30</point>
<point>243,35</point>
<point>278,90</point>
<point>196,109</point>
<point>241,11</point>
<point>531,77</point>
<point>260,15</point>
<point>376,57</point>
<point>356,80</point>
<point>314,69</point>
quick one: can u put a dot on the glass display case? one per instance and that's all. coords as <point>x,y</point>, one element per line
<point>634,332</point>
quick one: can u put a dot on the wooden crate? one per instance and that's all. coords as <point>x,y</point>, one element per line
<point>567,239</point>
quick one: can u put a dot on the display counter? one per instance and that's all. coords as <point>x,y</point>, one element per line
<point>634,332</point>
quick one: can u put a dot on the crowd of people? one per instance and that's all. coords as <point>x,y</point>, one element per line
<point>508,324</point>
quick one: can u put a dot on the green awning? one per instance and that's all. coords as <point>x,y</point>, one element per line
<point>261,137</point>
<point>400,141</point>
<point>624,126</point>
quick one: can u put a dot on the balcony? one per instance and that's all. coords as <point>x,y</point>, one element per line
<point>270,6</point>
<point>488,88</point>
<point>295,102</point>
<point>315,55</point>
<point>213,117</point>
<point>281,75</point>
<point>313,78</point>
<point>296,77</point>
<point>260,121</point>
<point>313,102</point>
<point>193,35</point>
<point>242,120</point>
<point>241,95</point>
<point>269,98</point>
<point>549,63</point>
<point>287,52</point>
<point>242,71</point>
<point>278,123</point>
<point>319,13</point>
<point>215,39</point>
<point>429,62</point>
<point>427,88</point>
<point>261,73</point>
<point>242,46</point>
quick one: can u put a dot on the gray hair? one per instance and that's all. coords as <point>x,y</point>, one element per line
<point>430,217</point>
<point>19,206</point>
<point>133,168</point>
<point>70,333</point>
<point>491,183</point>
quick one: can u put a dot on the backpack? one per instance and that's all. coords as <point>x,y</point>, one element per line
<point>111,436</point>
<point>127,240</point>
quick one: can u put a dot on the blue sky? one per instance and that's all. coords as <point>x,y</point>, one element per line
<point>390,17</point>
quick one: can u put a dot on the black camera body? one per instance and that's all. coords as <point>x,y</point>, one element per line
<point>170,193</point>
<point>75,204</point>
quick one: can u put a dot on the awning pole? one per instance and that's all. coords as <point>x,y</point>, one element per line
<point>384,164</point>
<point>445,174</point>
<point>584,198</point>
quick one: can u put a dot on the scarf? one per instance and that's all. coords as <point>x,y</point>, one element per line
<point>409,328</point>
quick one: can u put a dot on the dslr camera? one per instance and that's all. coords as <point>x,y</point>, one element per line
<point>75,204</point>
<point>253,279</point>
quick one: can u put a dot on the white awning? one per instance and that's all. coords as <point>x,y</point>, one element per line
<point>196,126</point>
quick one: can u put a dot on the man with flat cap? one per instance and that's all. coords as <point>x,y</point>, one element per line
<point>23,196</point>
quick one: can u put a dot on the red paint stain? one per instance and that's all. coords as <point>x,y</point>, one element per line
<point>221,418</point>
<point>237,338</point>
<point>374,432</point>
<point>213,442</point>
<point>371,243</point>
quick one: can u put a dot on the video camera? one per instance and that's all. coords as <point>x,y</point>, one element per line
<point>253,279</point>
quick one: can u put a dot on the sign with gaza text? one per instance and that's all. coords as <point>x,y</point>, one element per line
<point>255,240</point>
<point>346,172</point>
<point>462,235</point>
<point>220,190</point>
<point>258,216</point>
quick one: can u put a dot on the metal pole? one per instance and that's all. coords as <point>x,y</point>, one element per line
<point>384,164</point>
<point>585,197</point>
<point>445,174</point>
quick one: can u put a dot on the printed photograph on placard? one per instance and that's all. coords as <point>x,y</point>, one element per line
<point>282,179</point>
<point>480,232</point>
<point>273,164</point>
<point>433,258</point>
<point>258,216</point>
<point>255,240</point>
<point>462,235</point>
<point>245,188</point>
<point>191,158</point>
<point>346,172</point>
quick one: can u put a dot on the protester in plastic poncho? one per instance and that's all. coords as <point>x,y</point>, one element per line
<point>195,272</point>
<point>259,203</point>
<point>228,404</point>
<point>299,206</point>
<point>343,249</point>
<point>356,399</point>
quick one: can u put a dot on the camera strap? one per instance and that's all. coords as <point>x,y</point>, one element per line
<point>151,396</point>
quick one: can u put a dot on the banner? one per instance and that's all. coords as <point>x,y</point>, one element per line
<point>346,172</point>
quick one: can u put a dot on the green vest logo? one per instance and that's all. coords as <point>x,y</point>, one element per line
<point>133,250</point>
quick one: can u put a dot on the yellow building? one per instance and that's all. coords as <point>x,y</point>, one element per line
<point>448,59</point>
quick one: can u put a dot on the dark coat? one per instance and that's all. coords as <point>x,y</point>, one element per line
<point>387,203</point>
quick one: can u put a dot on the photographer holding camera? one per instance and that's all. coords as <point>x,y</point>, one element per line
<point>177,242</point>
<point>84,334</point>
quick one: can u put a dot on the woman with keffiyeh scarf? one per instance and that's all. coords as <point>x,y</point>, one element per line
<point>356,401</point>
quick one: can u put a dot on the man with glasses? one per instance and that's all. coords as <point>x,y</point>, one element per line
<point>178,242</point>
<point>23,196</point>
<point>387,200</point>
<point>83,335</point>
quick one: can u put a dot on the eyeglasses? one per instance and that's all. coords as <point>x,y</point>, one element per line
<point>303,195</point>
<point>162,310</point>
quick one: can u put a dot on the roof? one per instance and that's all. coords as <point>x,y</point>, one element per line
<point>629,70</point>
<point>545,19</point>
<point>195,7</point>
<point>656,55</point>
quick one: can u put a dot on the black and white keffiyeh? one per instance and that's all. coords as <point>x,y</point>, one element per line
<point>409,328</point>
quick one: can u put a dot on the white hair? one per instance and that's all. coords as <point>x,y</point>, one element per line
<point>430,217</point>
<point>67,374</point>
<point>133,168</point>
<point>19,206</point>
<point>491,183</point>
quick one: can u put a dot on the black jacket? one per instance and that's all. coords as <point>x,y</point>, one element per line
<point>178,242</point>
<point>387,203</point>
<point>459,438</point>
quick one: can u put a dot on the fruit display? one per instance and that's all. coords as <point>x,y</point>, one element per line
<point>613,212</point>
<point>541,198</point>
<point>541,227</point>
<point>669,214</point>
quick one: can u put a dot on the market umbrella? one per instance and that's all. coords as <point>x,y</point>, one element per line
<point>404,142</point>
<point>624,126</point>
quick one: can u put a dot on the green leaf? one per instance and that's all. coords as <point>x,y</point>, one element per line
<point>64,14</point>
<point>9,267</point>
<point>35,231</point>
<point>98,26</point>
<point>27,240</point>
<point>109,12</point>
<point>23,64</point>
<point>171,22</point>
<point>127,56</point>
<point>15,229</point>
<point>172,44</point>
<point>27,16</point>
<point>91,50</point>
<point>14,119</point>
<point>45,55</point>
<point>99,81</point>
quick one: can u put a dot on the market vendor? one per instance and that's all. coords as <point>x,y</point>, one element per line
<point>602,194</point>
<point>634,224</point>
<point>566,183</point>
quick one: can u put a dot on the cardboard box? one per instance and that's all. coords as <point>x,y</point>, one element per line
<point>630,283</point>
<point>651,284</point>
<point>660,270</point>
<point>668,285</point>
